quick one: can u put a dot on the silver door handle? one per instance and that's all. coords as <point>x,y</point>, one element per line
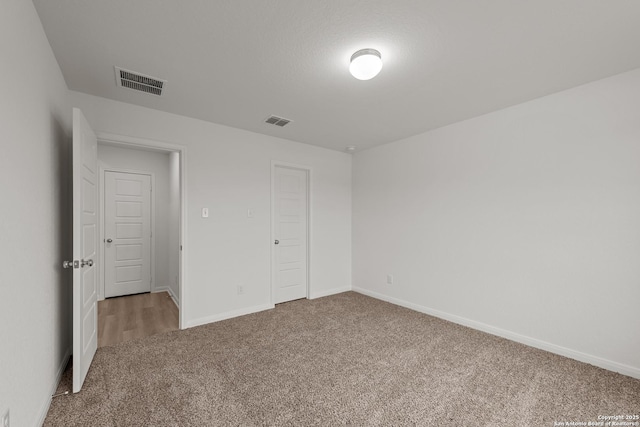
<point>277,242</point>
<point>70,264</point>
<point>109,240</point>
<point>88,262</point>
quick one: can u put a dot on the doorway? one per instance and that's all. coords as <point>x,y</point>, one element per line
<point>139,239</point>
<point>87,247</point>
<point>290,232</point>
<point>164,164</point>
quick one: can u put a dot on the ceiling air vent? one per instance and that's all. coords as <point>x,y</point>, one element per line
<point>139,82</point>
<point>278,121</point>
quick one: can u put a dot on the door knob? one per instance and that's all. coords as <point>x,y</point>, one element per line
<point>70,264</point>
<point>109,240</point>
<point>277,242</point>
<point>88,262</point>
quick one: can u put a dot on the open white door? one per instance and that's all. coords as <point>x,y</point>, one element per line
<point>85,295</point>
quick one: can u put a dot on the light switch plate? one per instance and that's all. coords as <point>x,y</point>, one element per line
<point>205,212</point>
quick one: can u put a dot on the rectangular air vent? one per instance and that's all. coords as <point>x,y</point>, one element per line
<point>278,121</point>
<point>140,82</point>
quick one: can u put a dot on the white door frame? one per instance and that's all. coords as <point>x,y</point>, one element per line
<point>308,170</point>
<point>148,144</point>
<point>101,207</point>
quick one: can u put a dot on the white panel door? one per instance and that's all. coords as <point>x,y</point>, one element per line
<point>85,286</point>
<point>127,231</point>
<point>290,233</point>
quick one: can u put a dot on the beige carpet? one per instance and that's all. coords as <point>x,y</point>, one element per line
<point>341,360</point>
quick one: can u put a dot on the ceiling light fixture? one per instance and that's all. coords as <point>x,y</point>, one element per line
<point>350,149</point>
<point>365,64</point>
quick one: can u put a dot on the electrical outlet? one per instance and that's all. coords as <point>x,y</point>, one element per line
<point>240,290</point>
<point>389,279</point>
<point>5,419</point>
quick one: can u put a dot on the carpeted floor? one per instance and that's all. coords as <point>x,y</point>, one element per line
<point>346,359</point>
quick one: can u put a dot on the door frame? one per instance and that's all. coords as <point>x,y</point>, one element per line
<point>101,218</point>
<point>280,164</point>
<point>158,146</point>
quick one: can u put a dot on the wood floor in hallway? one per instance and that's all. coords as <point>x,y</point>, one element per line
<point>135,316</point>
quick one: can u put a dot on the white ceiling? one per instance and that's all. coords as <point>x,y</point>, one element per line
<point>235,62</point>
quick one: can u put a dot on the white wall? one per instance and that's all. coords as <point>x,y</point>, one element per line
<point>524,222</point>
<point>35,216</point>
<point>228,171</point>
<point>156,163</point>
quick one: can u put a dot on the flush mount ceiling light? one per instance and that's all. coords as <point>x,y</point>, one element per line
<point>365,64</point>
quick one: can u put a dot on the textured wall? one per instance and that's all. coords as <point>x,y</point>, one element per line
<point>525,222</point>
<point>229,171</point>
<point>35,216</point>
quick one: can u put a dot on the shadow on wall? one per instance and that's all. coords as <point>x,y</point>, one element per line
<point>63,294</point>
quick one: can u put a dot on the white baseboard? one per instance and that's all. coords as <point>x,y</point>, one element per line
<point>168,290</point>
<point>228,315</point>
<point>328,292</point>
<point>44,408</point>
<point>532,342</point>
<point>255,309</point>
<point>174,297</point>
